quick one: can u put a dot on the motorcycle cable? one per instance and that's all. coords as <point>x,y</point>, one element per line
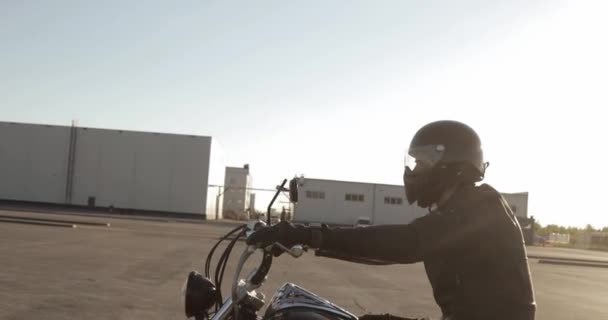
<point>221,266</point>
<point>210,255</point>
<point>227,254</point>
<point>209,258</point>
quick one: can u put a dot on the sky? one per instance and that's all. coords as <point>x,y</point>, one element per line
<point>331,89</point>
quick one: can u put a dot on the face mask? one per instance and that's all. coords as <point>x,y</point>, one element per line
<point>420,186</point>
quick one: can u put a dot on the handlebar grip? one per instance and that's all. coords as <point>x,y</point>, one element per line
<point>262,271</point>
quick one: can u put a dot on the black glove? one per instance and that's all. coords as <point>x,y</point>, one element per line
<point>285,233</point>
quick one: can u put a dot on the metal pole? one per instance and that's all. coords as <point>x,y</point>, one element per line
<point>279,189</point>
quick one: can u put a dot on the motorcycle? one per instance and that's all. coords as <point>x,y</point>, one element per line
<point>289,301</point>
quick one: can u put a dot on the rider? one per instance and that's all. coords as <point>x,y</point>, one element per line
<point>470,242</point>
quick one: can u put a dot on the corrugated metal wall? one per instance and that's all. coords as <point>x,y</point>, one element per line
<point>33,162</point>
<point>141,170</point>
<point>124,169</point>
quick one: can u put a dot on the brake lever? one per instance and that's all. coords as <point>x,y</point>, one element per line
<point>295,251</point>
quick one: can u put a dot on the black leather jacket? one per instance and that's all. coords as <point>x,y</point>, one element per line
<point>473,252</point>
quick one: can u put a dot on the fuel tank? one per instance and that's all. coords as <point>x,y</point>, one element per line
<point>292,302</point>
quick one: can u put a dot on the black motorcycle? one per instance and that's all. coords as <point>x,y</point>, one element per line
<point>203,298</point>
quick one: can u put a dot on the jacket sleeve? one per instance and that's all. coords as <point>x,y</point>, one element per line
<point>389,243</point>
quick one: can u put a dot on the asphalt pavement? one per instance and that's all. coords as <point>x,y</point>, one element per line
<point>135,269</point>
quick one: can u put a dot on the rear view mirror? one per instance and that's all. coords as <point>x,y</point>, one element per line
<point>293,190</point>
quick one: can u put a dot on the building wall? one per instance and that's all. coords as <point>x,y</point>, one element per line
<point>217,171</point>
<point>252,203</point>
<point>124,169</point>
<point>592,240</point>
<point>392,206</point>
<point>33,162</point>
<point>141,170</point>
<point>347,210</point>
<point>518,203</point>
<point>236,192</point>
<point>325,201</point>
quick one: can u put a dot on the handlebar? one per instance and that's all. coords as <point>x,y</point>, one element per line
<point>245,289</point>
<point>263,269</point>
<point>256,279</point>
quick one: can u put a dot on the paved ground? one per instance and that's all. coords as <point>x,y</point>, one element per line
<point>565,253</point>
<point>135,270</point>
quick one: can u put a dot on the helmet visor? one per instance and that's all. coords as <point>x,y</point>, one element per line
<point>424,156</point>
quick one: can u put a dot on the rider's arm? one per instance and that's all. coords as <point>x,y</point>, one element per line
<point>391,243</point>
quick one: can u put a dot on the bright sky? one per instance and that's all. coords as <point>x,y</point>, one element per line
<point>331,89</point>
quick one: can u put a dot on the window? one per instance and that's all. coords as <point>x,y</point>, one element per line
<point>393,200</point>
<point>354,197</point>
<point>315,194</point>
<point>91,201</point>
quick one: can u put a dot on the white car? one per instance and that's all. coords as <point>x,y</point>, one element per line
<point>363,222</point>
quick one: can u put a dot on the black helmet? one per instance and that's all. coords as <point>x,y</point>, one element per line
<point>441,154</point>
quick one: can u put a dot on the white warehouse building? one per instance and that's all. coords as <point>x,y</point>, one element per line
<point>101,168</point>
<point>342,203</point>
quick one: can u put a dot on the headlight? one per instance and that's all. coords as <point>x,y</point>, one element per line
<point>199,294</point>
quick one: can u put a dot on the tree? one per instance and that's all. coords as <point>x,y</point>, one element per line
<point>537,227</point>
<point>572,231</point>
<point>549,229</point>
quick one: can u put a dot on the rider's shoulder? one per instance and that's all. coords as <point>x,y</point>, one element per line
<point>475,195</point>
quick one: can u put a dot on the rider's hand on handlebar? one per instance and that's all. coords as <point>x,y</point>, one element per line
<point>285,233</point>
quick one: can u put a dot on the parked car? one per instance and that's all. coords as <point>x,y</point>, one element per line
<point>363,222</point>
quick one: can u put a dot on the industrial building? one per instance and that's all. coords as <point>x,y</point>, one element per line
<point>343,202</point>
<point>595,240</point>
<point>518,203</point>
<point>117,169</point>
<point>237,194</point>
